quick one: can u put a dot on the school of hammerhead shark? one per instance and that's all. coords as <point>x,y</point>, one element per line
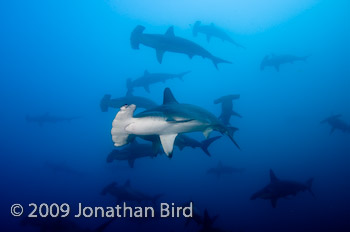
<point>160,127</point>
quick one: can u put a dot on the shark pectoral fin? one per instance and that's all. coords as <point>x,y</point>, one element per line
<point>207,132</point>
<point>131,163</point>
<point>274,202</point>
<point>168,143</point>
<point>160,54</point>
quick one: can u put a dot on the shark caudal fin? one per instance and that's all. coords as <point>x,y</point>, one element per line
<point>309,185</point>
<point>195,28</point>
<point>120,122</point>
<point>206,143</point>
<point>104,104</point>
<point>230,132</point>
<point>217,60</point>
<point>135,36</point>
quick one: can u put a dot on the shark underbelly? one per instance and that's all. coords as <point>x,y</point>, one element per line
<point>159,126</point>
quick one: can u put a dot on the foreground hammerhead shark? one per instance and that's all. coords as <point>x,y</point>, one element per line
<point>281,188</point>
<point>166,121</point>
<point>336,123</point>
<point>127,193</point>
<point>150,78</point>
<point>141,102</point>
<point>221,169</point>
<point>170,43</point>
<point>213,31</point>
<point>47,118</point>
<point>227,107</point>
<point>277,60</point>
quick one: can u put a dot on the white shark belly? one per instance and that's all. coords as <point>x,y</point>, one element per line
<point>157,126</point>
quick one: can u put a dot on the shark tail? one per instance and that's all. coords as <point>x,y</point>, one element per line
<point>207,142</point>
<point>309,185</point>
<point>135,36</point>
<point>195,28</point>
<point>104,104</point>
<point>230,132</point>
<point>121,121</point>
<point>217,60</point>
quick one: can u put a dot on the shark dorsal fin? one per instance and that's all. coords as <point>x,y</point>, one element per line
<point>146,73</point>
<point>129,93</point>
<point>170,32</point>
<point>127,183</point>
<point>168,97</point>
<point>273,177</point>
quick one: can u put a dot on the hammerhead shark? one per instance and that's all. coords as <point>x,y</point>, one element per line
<point>132,152</point>
<point>227,107</point>
<point>127,193</point>
<point>277,60</point>
<point>150,78</point>
<point>213,31</point>
<point>221,169</point>
<point>47,118</point>
<point>166,121</point>
<point>169,42</point>
<point>141,102</point>
<point>336,123</point>
<point>281,188</point>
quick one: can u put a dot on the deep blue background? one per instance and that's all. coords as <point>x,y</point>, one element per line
<point>61,57</point>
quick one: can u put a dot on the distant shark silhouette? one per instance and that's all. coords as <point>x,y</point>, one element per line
<point>336,123</point>
<point>213,31</point>
<point>227,107</point>
<point>150,78</point>
<point>141,102</point>
<point>168,42</point>
<point>281,188</point>
<point>277,60</point>
<point>47,118</point>
<point>167,121</point>
<point>62,168</point>
<point>221,169</point>
<point>127,193</point>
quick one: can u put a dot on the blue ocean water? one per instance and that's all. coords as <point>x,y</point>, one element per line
<point>60,58</point>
